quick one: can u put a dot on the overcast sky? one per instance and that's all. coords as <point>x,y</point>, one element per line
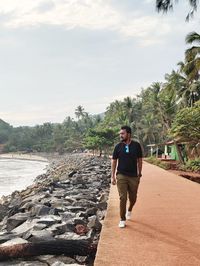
<point>58,54</point>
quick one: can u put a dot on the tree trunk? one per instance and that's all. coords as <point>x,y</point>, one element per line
<point>167,125</point>
<point>53,247</point>
<point>179,152</point>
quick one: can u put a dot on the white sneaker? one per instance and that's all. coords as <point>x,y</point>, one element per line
<point>128,215</point>
<point>122,224</point>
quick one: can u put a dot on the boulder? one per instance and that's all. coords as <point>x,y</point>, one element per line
<point>6,237</point>
<point>40,235</point>
<point>94,223</point>
<point>52,259</point>
<point>49,220</point>
<point>17,240</point>
<point>61,228</point>
<point>16,220</point>
<point>39,210</point>
<point>27,226</point>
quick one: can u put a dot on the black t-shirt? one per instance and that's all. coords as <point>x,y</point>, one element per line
<point>127,157</point>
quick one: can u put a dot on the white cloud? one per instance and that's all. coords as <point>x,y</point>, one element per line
<point>89,14</point>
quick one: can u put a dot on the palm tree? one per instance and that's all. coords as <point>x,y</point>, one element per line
<point>166,5</point>
<point>149,128</point>
<point>79,112</point>
<point>188,90</point>
<point>192,58</point>
<point>115,114</point>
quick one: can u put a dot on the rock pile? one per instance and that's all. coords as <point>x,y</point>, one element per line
<point>68,202</point>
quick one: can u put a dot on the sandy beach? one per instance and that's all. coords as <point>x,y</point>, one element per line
<point>20,156</point>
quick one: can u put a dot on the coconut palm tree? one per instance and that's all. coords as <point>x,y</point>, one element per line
<point>188,90</point>
<point>192,56</point>
<point>79,112</point>
<point>166,5</point>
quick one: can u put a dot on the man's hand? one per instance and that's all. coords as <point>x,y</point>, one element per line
<point>113,180</point>
<point>113,171</point>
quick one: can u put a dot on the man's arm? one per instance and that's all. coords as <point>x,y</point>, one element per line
<point>139,163</point>
<point>113,171</point>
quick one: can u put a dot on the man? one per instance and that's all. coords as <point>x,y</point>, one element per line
<point>127,160</point>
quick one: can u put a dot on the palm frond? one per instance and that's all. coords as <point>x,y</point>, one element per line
<point>192,37</point>
<point>191,53</point>
<point>164,5</point>
<point>167,5</point>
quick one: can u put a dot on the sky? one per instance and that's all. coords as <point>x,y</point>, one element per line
<point>58,54</point>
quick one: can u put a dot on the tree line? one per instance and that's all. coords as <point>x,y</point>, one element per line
<point>168,110</point>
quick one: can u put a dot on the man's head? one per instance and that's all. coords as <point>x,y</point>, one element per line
<point>125,133</point>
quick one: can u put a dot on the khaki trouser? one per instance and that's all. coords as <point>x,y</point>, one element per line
<point>127,185</point>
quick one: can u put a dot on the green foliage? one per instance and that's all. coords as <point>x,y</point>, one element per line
<point>186,126</point>
<point>100,139</point>
<point>191,165</point>
<point>155,161</point>
<point>60,137</point>
<point>5,130</point>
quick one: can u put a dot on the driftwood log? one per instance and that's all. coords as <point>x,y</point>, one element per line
<point>69,248</point>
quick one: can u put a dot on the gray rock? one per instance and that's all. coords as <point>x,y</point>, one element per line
<point>103,197</point>
<point>58,203</point>
<point>3,210</point>
<point>71,236</point>
<point>49,220</point>
<point>6,236</point>
<point>15,201</point>
<point>57,207</point>
<point>14,241</point>
<point>59,263</point>
<point>22,263</point>
<point>60,193</point>
<point>52,259</point>
<point>42,235</point>
<point>92,211</point>
<point>61,228</point>
<point>102,205</point>
<point>94,223</point>
<point>28,225</point>
<point>66,182</point>
<point>26,206</point>
<point>39,210</point>
<point>35,198</point>
<point>67,215</point>
<point>101,214</point>
<point>72,173</point>
<point>16,220</point>
<point>84,203</point>
<point>75,208</point>
<point>81,259</point>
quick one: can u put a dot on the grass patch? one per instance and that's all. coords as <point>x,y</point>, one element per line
<point>155,161</point>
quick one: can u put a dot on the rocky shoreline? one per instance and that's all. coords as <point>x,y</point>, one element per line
<point>68,202</point>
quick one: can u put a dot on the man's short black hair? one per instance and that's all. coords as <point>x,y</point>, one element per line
<point>127,128</point>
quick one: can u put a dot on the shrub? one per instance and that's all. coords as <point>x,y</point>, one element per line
<point>191,165</point>
<point>155,161</point>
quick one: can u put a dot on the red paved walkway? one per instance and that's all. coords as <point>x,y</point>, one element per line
<point>165,227</point>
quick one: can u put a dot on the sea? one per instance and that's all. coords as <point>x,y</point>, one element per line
<point>18,174</point>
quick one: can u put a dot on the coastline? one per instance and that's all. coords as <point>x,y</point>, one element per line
<point>66,204</point>
<point>26,157</point>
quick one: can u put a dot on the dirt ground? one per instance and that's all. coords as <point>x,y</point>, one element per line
<point>189,175</point>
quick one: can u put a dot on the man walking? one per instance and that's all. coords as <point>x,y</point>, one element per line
<point>127,160</point>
